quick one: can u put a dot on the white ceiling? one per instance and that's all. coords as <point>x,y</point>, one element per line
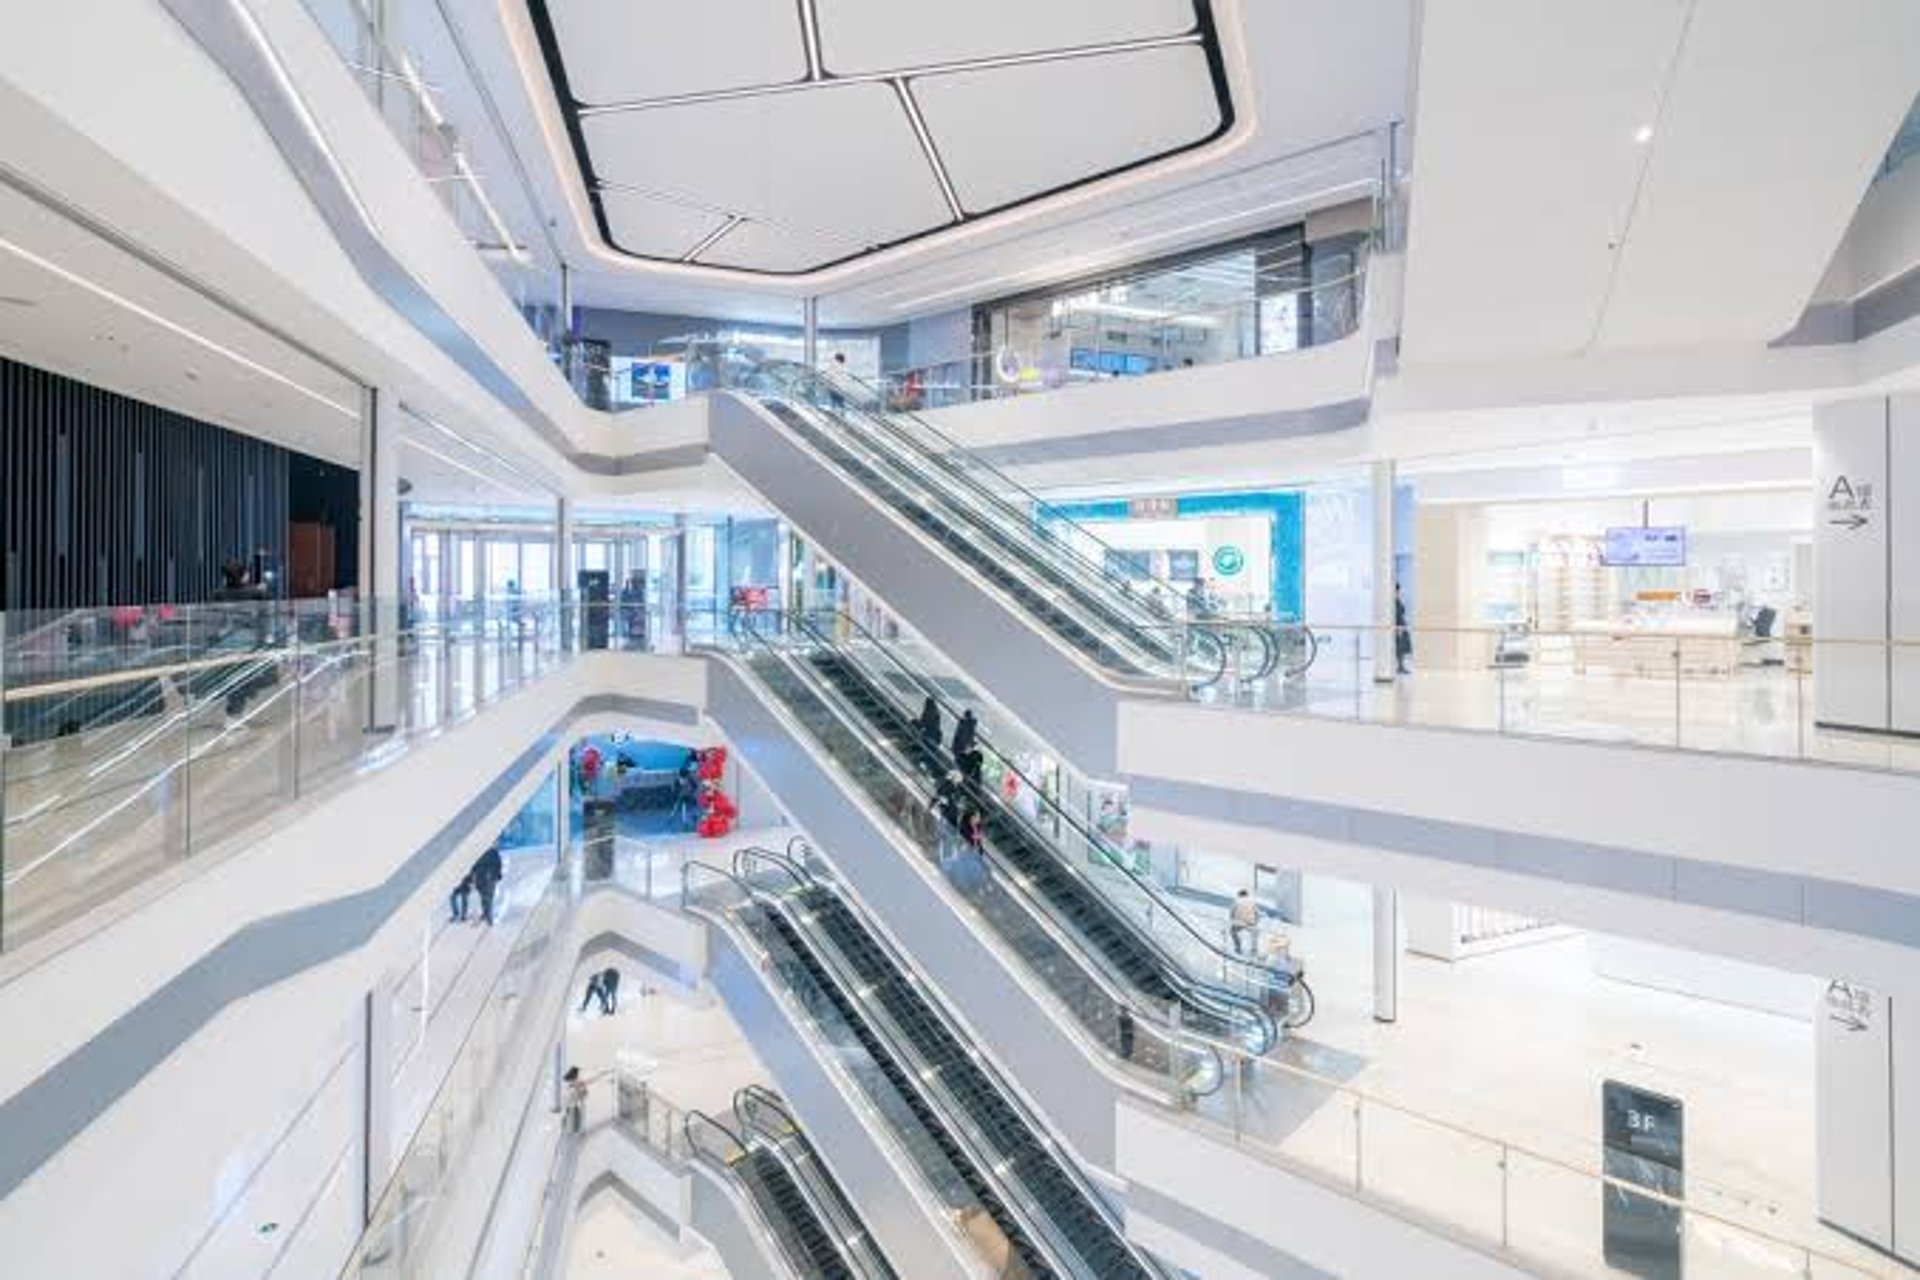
<point>76,304</point>
<point>1305,79</point>
<point>781,137</point>
<point>1639,173</point>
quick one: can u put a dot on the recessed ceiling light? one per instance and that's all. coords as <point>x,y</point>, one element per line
<point>1644,134</point>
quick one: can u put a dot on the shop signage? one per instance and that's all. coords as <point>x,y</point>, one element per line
<point>1850,503</point>
<point>1228,560</point>
<point>1643,1138</point>
<point>1153,508</point>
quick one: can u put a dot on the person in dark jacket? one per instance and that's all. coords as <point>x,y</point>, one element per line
<point>948,800</point>
<point>1402,635</point>
<point>596,994</point>
<point>487,874</point>
<point>462,894</point>
<point>929,726</point>
<point>966,734</point>
<point>610,991</point>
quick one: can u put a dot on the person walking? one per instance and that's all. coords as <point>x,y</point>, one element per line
<point>487,874</point>
<point>1243,922</point>
<point>610,991</point>
<point>457,901</point>
<point>596,993</point>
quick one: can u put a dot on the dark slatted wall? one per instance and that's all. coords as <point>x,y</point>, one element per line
<point>112,501</point>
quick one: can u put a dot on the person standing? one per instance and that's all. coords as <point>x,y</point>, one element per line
<point>966,735</point>
<point>1243,922</point>
<point>461,896</point>
<point>576,1100</point>
<point>1402,635</point>
<point>610,991</point>
<point>930,727</point>
<point>487,874</point>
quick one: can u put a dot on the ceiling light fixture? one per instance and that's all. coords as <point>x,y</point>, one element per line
<point>1644,134</point>
<point>154,317</point>
<point>905,93</point>
<point>713,237</point>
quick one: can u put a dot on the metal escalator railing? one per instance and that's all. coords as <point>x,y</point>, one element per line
<point>1059,1225</point>
<point>785,1213</point>
<point>1146,624</point>
<point>766,1122</point>
<point>1005,547</point>
<point>1174,1046</point>
<point>1117,913</point>
<point>965,1196</point>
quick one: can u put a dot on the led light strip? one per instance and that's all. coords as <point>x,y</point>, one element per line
<point>883,77</point>
<point>810,30</point>
<point>713,237</point>
<point>912,108</point>
<point>199,340</point>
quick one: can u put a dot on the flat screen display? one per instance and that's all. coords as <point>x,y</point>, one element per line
<point>1634,546</point>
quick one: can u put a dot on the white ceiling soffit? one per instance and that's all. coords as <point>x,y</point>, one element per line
<point>785,136</point>
<point>1639,173</point>
<point>77,305</point>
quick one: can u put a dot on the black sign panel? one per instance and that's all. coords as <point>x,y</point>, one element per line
<point>1644,1137</point>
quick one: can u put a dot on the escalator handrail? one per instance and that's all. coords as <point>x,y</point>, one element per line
<point>1258,974</point>
<point>828,1203</point>
<point>964,1127</point>
<point>1091,962</point>
<point>724,918</point>
<point>783,1237</point>
<point>990,495</point>
<point>1154,656</point>
<point>694,1123</point>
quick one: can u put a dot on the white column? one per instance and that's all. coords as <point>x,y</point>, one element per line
<point>1386,954</point>
<point>377,1153</point>
<point>379,577</point>
<point>1385,663</point>
<point>563,585</point>
<point>810,332</point>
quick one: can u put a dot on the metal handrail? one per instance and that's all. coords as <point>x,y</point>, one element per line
<point>1090,962</point>
<point>988,1168</point>
<point>824,1197</point>
<point>1114,857</point>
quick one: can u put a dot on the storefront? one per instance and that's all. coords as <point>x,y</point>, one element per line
<point>1582,580</point>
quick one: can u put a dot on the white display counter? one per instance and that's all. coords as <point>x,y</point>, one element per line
<point>1660,645</point>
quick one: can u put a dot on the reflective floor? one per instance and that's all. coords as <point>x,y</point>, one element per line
<point>1514,1044</point>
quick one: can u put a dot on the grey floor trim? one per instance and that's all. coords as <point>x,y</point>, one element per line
<point>1880,914</point>
<point>1256,1255</point>
<point>41,1118</point>
<point>1252,428</point>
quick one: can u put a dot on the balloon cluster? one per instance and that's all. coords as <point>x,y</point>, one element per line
<point>718,812</point>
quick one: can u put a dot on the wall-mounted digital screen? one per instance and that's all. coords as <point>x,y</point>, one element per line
<point>1634,546</point>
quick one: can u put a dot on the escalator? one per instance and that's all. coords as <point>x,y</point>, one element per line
<point>1052,1220</point>
<point>1136,626</point>
<point>850,696</point>
<point>769,1127</point>
<point>784,1209</point>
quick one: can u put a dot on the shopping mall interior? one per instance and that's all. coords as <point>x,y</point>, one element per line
<point>668,641</point>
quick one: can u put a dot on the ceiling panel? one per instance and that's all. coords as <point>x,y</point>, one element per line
<point>764,247</point>
<point>728,112</point>
<point>859,36</point>
<point>620,51</point>
<point>658,228</point>
<point>1009,133</point>
<point>834,159</point>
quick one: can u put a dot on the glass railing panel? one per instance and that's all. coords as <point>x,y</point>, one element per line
<point>411,60</point>
<point>401,1237</point>
<point>200,726</point>
<point>1653,682</point>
